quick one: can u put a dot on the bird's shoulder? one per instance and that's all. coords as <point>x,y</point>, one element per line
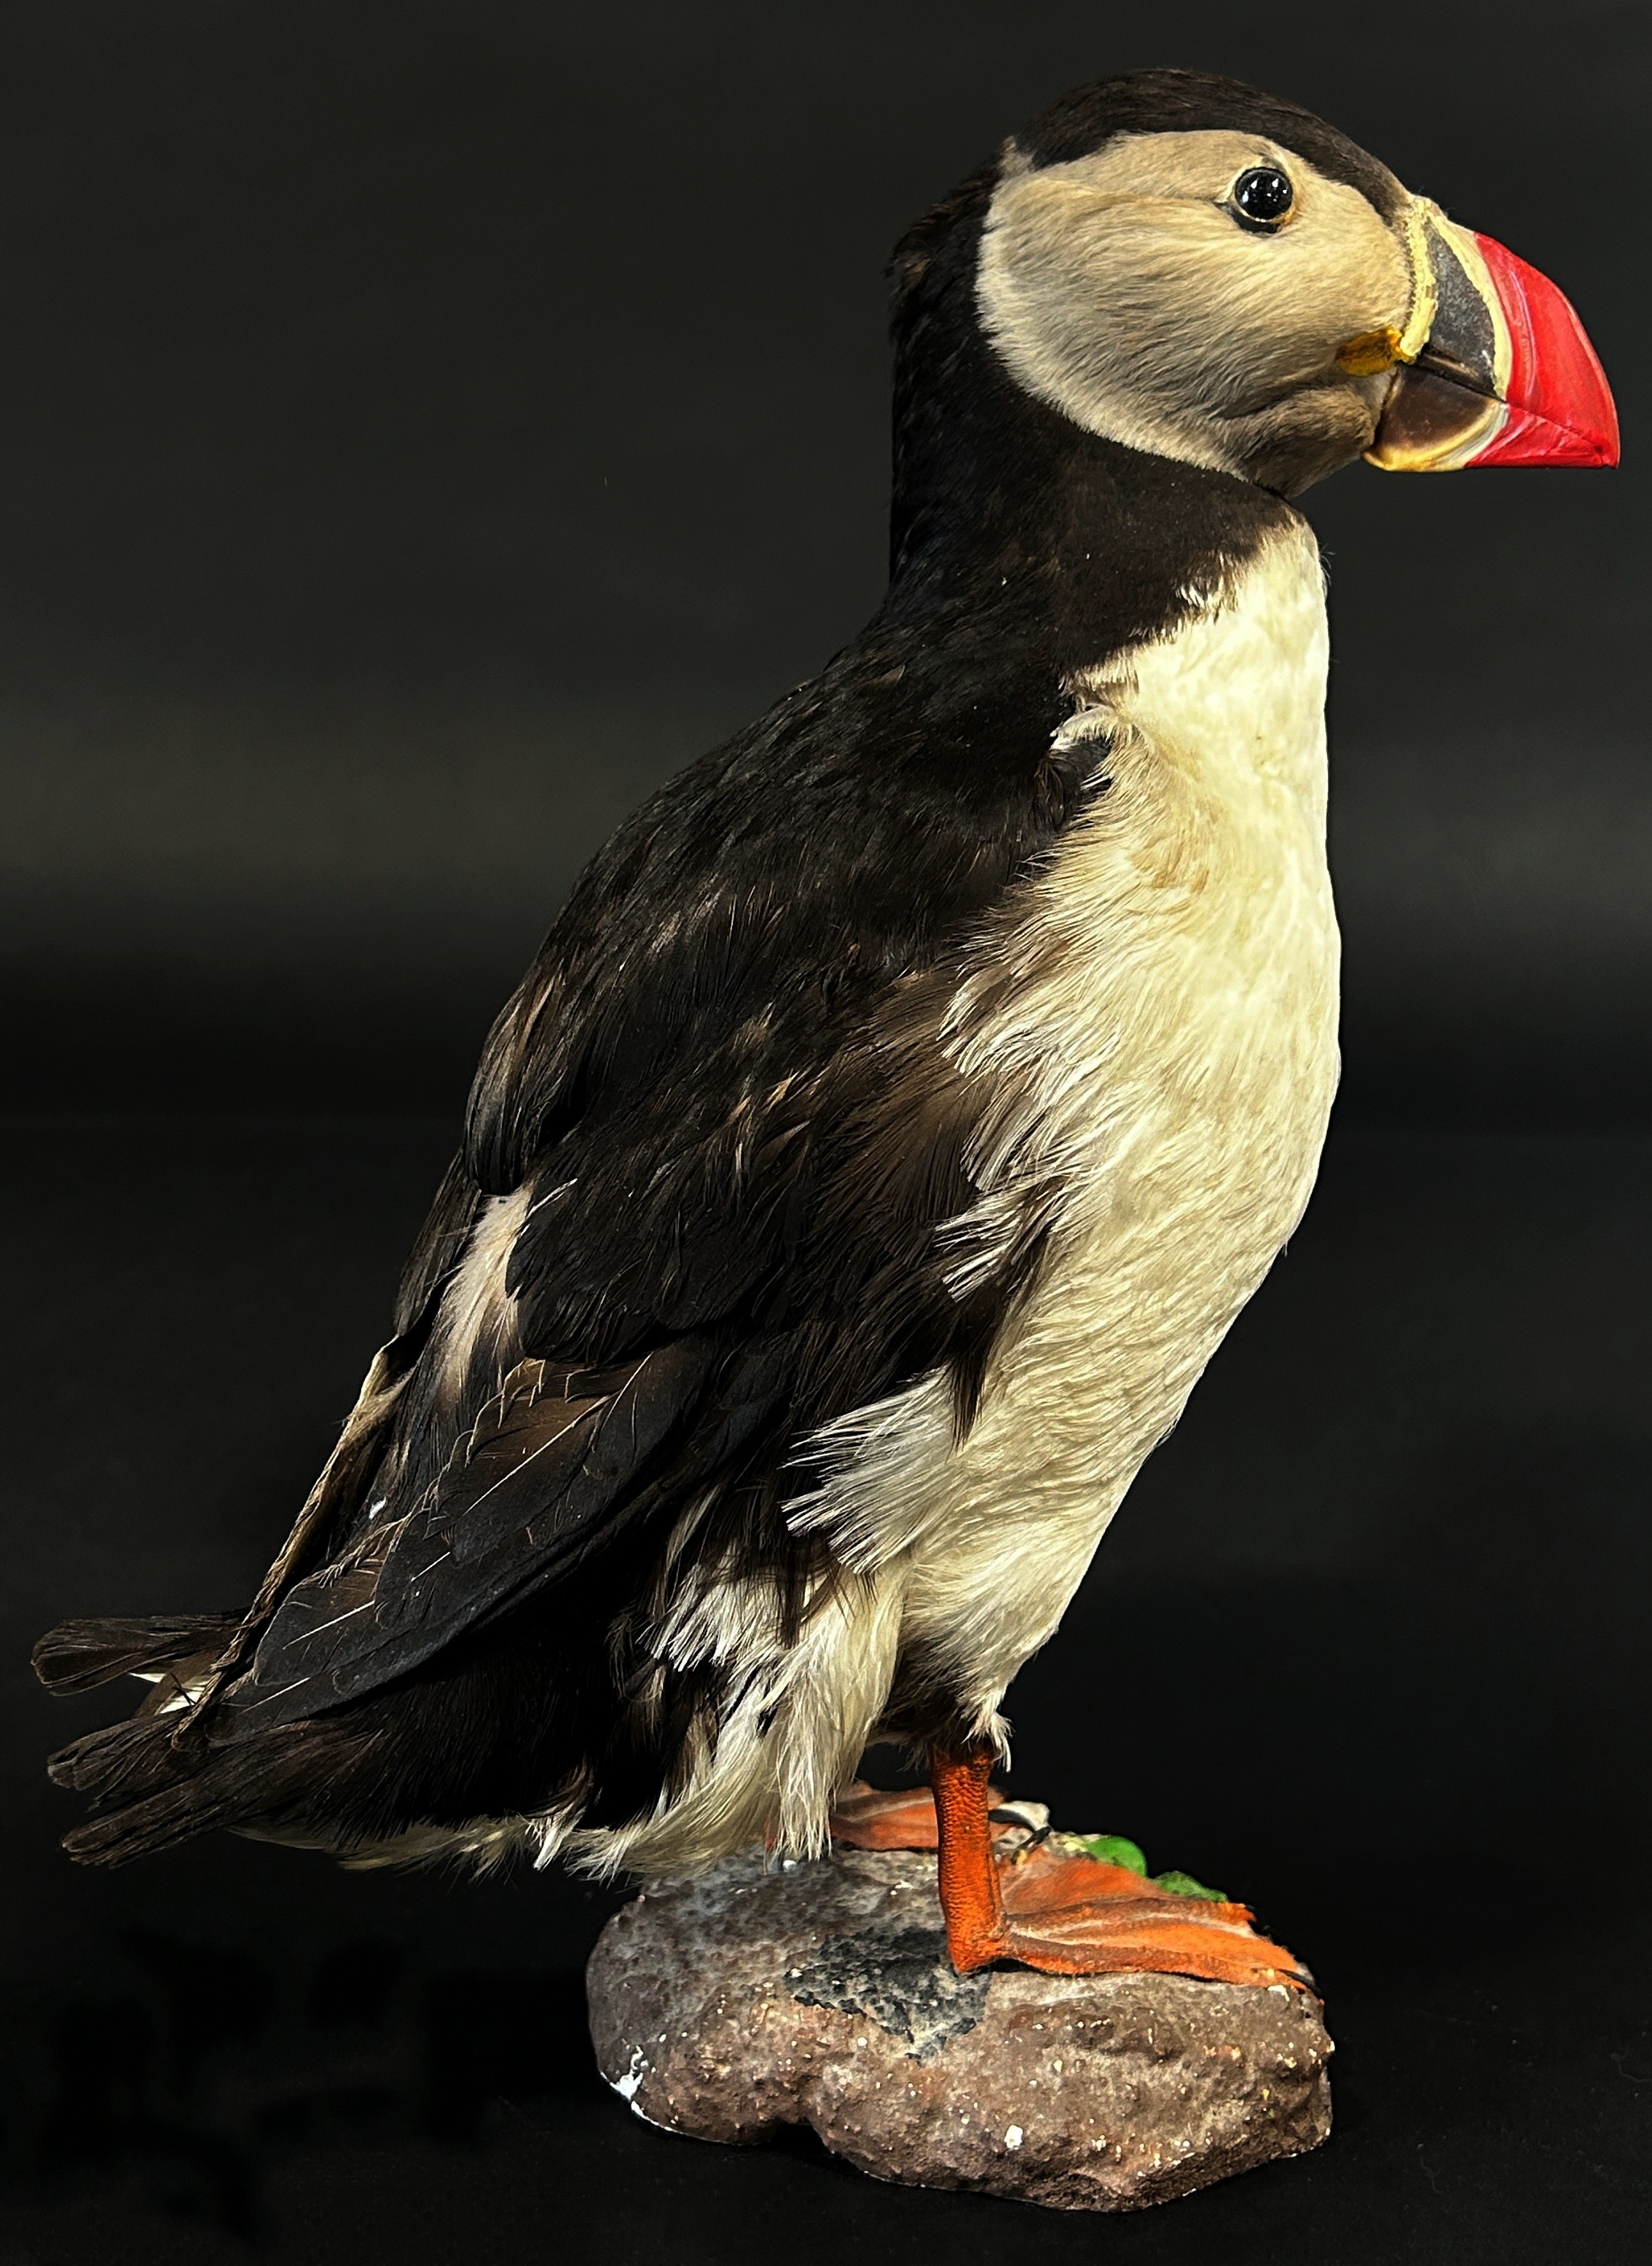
<point>771,895</point>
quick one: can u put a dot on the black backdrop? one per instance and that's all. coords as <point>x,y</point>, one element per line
<point>423,428</point>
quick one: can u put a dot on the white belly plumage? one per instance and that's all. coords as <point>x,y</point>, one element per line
<point>1173,1034</point>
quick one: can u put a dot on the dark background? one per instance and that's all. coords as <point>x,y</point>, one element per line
<point>423,428</point>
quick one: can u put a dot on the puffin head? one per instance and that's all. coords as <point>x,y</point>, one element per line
<point>1181,264</point>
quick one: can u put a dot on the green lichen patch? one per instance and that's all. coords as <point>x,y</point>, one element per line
<point>1113,1849</point>
<point>1183,1884</point>
<point>1119,1849</point>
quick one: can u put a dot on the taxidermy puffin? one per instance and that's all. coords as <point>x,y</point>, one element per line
<point>908,1097</point>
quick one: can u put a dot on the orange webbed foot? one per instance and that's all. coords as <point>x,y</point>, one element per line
<point>1064,1912</point>
<point>1057,1904</point>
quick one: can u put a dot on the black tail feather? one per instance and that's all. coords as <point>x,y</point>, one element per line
<point>77,1656</point>
<point>159,1821</point>
<point>153,1782</point>
<point>123,1762</point>
<point>509,1723</point>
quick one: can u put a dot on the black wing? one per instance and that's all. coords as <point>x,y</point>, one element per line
<point>724,1088</point>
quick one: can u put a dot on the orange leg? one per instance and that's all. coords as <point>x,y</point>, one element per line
<point>970,1900</point>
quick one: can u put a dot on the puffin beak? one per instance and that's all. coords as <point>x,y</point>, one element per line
<point>1494,367</point>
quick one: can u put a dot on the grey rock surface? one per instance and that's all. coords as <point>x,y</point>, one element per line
<point>820,1993</point>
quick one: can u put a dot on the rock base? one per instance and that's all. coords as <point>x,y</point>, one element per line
<point>820,1993</point>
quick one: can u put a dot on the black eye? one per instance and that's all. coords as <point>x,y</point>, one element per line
<point>1261,196</point>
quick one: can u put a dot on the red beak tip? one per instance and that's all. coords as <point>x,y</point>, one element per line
<point>1526,438</point>
<point>1559,406</point>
